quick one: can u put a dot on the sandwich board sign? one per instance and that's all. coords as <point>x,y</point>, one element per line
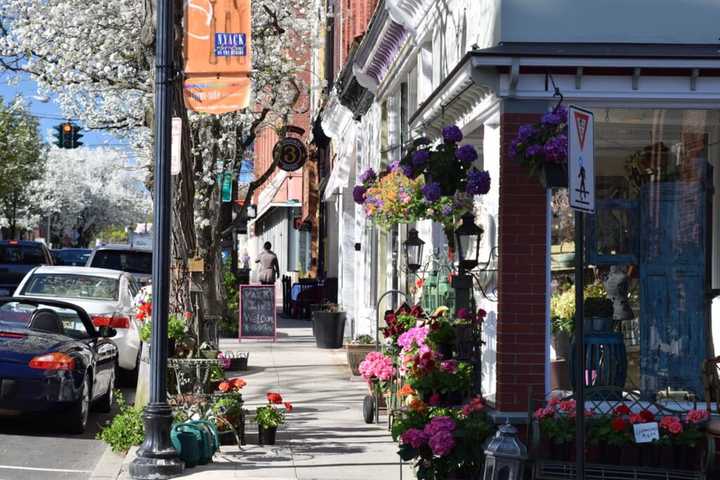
<point>581,159</point>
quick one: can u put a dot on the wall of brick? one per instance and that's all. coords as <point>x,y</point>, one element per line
<point>521,277</point>
<point>351,21</point>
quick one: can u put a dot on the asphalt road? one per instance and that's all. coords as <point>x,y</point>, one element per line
<point>34,448</point>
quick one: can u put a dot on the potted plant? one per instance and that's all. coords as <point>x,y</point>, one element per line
<point>598,312</point>
<point>269,417</point>
<point>356,351</point>
<point>542,148</point>
<point>329,326</point>
<point>177,329</point>
<point>229,417</point>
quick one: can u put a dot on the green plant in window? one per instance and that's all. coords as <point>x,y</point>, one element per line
<point>562,306</point>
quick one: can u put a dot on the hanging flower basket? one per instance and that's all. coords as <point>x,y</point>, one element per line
<point>553,175</point>
<point>543,148</point>
<point>436,183</point>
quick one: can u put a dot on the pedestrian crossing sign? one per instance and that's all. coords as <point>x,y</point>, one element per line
<point>581,159</point>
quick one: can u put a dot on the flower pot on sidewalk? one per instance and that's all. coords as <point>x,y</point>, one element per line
<point>329,329</point>
<point>266,436</point>
<point>356,354</point>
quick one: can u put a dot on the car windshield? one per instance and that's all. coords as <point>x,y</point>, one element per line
<point>21,255</point>
<point>127,261</point>
<point>71,286</point>
<point>71,257</point>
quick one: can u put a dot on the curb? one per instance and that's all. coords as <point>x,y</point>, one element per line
<point>109,466</point>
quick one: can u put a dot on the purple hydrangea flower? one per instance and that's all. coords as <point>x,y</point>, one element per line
<point>359,194</point>
<point>414,437</point>
<point>420,158</point>
<point>534,150</point>
<point>432,192</point>
<point>442,443</point>
<point>452,134</point>
<point>525,132</point>
<point>556,149</point>
<point>439,424</point>
<point>446,210</point>
<point>394,166</point>
<point>555,117</point>
<point>408,170</point>
<point>478,182</point>
<point>368,175</point>
<point>466,154</point>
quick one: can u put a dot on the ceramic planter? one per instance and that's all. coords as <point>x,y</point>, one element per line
<point>329,329</point>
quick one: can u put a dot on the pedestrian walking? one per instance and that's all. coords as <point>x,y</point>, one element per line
<point>269,269</point>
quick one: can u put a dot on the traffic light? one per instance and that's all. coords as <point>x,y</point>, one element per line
<point>67,135</point>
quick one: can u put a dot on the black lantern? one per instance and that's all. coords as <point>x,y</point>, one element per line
<point>413,251</point>
<point>468,237</point>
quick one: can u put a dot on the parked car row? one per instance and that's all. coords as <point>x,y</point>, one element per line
<point>67,326</point>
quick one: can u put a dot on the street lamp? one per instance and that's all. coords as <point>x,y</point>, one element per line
<point>468,237</point>
<point>413,247</point>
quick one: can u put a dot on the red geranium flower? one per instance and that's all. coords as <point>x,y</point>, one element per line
<point>238,383</point>
<point>647,416</point>
<point>224,387</point>
<point>288,407</point>
<point>622,410</point>
<point>275,398</point>
<point>618,424</point>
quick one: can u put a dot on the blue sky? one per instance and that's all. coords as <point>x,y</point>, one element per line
<point>49,113</point>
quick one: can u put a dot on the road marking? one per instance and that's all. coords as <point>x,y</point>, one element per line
<point>36,469</point>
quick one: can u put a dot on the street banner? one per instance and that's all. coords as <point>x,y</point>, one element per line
<point>218,55</point>
<point>581,159</point>
<point>176,146</point>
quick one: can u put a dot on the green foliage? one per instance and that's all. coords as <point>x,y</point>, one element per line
<point>216,373</point>
<point>114,234</point>
<point>21,162</point>
<point>442,333</point>
<point>126,429</point>
<point>562,306</point>
<point>229,323</point>
<point>177,327</point>
<point>364,340</point>
<point>559,429</point>
<point>229,405</point>
<point>439,381</point>
<point>268,416</point>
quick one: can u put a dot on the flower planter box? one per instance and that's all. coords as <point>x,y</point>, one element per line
<point>356,354</point>
<point>556,470</point>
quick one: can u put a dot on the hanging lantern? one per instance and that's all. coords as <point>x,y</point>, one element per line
<point>505,455</point>
<point>468,236</point>
<point>413,251</point>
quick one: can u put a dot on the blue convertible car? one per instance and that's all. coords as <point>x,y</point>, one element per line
<point>53,360</point>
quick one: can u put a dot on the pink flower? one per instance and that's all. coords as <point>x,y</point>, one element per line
<point>414,338</point>
<point>475,405</point>
<point>567,406</point>
<point>449,366</point>
<point>442,443</point>
<point>676,428</point>
<point>416,438</point>
<point>546,412</point>
<point>376,366</point>
<point>697,416</point>
<point>671,424</point>
<point>553,402</point>
<point>438,424</point>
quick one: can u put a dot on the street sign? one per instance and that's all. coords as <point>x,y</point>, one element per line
<point>290,153</point>
<point>581,160</point>
<point>176,146</point>
<point>227,187</point>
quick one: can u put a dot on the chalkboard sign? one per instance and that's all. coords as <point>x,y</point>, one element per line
<point>257,311</point>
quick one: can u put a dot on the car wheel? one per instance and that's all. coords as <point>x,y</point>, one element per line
<point>77,417</point>
<point>104,403</point>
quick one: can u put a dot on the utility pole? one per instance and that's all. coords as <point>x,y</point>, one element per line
<point>157,459</point>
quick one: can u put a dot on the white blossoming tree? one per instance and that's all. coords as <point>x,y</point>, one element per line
<point>97,58</point>
<point>90,189</point>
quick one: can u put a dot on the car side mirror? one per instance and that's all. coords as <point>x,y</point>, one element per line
<point>107,332</point>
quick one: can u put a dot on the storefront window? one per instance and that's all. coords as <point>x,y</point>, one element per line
<point>649,249</point>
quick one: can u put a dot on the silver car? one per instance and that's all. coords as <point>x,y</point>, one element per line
<point>106,295</point>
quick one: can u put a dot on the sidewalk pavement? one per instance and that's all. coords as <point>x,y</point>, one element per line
<point>324,438</point>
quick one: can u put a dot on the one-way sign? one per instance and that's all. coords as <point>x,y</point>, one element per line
<point>581,159</point>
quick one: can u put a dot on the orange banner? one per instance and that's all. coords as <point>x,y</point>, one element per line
<point>218,55</point>
<point>217,36</point>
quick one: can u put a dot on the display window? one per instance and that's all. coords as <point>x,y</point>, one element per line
<point>651,254</point>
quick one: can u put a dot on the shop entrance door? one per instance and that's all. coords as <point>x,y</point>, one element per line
<point>672,276</point>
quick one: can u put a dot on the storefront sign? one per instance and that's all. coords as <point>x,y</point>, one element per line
<point>581,160</point>
<point>290,153</point>
<point>646,432</point>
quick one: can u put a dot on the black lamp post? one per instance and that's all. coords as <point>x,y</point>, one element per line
<point>156,458</point>
<point>413,247</point>
<point>468,236</point>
